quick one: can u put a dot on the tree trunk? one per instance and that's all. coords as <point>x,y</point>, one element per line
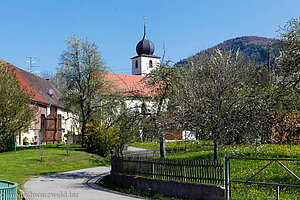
<point>216,150</point>
<point>83,133</point>
<point>162,146</point>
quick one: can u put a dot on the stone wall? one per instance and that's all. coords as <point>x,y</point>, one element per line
<point>171,188</point>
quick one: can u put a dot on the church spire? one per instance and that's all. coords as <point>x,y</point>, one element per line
<point>145,46</point>
<point>145,26</point>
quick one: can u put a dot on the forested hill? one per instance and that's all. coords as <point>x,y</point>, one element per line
<point>254,49</point>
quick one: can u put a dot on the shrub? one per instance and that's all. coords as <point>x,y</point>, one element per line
<point>101,140</point>
<point>8,144</point>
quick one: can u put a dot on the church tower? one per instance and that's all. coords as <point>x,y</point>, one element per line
<point>145,61</point>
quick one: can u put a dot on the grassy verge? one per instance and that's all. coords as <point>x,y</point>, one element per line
<point>26,163</point>
<point>244,169</point>
<point>106,182</point>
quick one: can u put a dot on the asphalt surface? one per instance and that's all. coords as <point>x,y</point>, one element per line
<point>73,185</point>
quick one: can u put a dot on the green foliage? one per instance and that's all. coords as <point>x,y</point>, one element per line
<point>16,110</point>
<point>8,144</point>
<point>100,140</point>
<point>111,131</point>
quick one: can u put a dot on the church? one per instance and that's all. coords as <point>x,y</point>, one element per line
<point>143,63</point>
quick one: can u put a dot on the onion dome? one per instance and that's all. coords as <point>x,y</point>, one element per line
<point>145,46</point>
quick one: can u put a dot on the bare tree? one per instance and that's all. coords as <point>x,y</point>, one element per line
<point>160,81</point>
<point>226,98</point>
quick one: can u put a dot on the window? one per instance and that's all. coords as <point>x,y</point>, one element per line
<point>42,123</point>
<point>136,64</point>
<point>123,106</point>
<point>150,64</point>
<point>144,109</point>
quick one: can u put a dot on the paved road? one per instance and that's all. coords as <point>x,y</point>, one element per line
<point>73,185</point>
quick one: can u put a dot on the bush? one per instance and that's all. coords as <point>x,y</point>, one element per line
<point>7,144</point>
<point>101,140</point>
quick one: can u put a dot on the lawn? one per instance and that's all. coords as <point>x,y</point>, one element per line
<point>244,169</point>
<point>26,163</point>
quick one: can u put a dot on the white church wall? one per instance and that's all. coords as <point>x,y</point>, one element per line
<point>143,65</point>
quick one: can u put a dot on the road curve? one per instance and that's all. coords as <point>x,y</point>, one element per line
<point>73,185</point>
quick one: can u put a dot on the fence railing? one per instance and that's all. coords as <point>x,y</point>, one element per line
<point>143,154</point>
<point>228,179</point>
<point>196,171</point>
<point>8,190</point>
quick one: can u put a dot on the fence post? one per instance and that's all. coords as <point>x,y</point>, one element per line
<point>278,192</point>
<point>184,170</point>
<point>227,177</point>
<point>153,172</point>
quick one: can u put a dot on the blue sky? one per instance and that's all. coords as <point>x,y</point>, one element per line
<point>39,28</point>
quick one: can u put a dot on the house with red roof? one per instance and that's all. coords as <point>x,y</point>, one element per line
<point>52,120</point>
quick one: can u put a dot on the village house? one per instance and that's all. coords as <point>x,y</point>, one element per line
<point>52,120</point>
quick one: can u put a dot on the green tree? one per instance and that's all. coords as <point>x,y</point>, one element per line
<point>16,110</point>
<point>82,79</point>
<point>225,98</point>
<point>112,127</point>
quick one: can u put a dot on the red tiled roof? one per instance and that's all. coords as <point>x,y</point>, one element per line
<point>130,84</point>
<point>39,86</point>
<point>24,83</point>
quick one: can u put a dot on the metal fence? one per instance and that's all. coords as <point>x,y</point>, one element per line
<point>228,179</point>
<point>8,190</point>
<point>196,171</point>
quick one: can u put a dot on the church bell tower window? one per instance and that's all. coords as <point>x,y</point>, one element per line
<point>150,64</point>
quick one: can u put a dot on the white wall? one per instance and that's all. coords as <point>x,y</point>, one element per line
<point>143,63</point>
<point>69,121</point>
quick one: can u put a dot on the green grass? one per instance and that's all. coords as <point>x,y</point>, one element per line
<point>244,169</point>
<point>26,163</point>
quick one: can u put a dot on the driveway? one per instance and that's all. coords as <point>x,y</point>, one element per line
<point>73,185</point>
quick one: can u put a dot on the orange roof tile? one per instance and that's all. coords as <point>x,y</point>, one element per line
<point>130,84</point>
<point>24,83</point>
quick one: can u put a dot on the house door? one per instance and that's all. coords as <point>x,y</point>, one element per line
<point>53,131</point>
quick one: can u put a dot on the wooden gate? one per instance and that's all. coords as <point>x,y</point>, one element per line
<point>53,131</point>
